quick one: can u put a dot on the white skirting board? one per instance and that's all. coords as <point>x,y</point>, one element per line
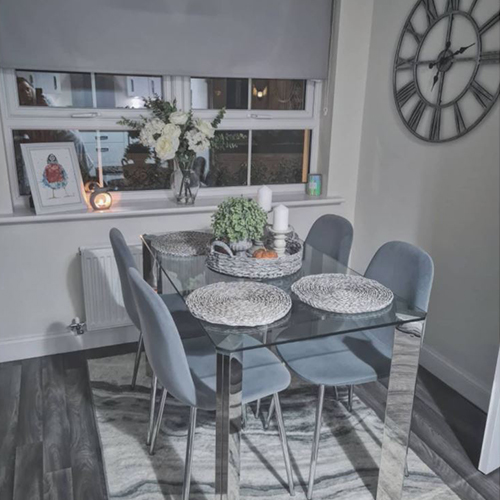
<point>45,345</point>
<point>490,453</point>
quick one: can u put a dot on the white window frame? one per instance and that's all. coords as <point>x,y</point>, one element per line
<point>19,117</point>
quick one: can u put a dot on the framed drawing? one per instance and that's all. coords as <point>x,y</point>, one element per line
<point>54,176</point>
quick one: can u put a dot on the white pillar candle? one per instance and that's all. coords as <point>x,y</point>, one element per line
<point>280,218</point>
<point>265,198</point>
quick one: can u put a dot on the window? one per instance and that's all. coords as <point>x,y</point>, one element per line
<point>85,90</point>
<point>233,93</point>
<point>270,127</point>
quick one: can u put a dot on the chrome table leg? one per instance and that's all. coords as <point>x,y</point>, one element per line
<point>152,404</point>
<point>315,448</point>
<point>228,426</point>
<point>398,413</point>
<point>189,454</point>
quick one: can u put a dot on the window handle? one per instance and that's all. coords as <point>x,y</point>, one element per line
<point>55,82</point>
<point>102,137</point>
<point>153,87</point>
<point>85,115</point>
<point>102,150</point>
<point>259,117</point>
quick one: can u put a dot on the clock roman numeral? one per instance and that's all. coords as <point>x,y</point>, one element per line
<point>453,5</point>
<point>459,119</point>
<point>404,64</point>
<point>481,94</point>
<point>430,10</point>
<point>416,115</point>
<point>435,129</point>
<point>405,93</point>
<point>414,33</point>
<point>489,23</point>
<point>490,57</point>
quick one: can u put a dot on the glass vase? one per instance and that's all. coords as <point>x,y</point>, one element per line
<point>184,181</point>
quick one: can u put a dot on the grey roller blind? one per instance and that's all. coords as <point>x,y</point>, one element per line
<point>226,38</point>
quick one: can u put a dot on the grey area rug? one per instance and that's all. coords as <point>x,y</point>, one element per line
<point>348,457</point>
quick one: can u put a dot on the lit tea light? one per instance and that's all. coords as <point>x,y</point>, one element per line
<point>101,199</point>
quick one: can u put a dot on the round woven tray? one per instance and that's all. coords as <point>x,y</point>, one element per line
<point>343,294</point>
<point>245,266</point>
<point>182,243</point>
<point>239,303</point>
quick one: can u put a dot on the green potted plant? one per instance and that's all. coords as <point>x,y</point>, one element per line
<point>238,221</point>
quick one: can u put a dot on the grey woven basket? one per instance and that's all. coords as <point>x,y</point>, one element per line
<point>244,266</point>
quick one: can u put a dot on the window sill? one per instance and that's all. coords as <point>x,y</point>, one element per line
<point>148,208</point>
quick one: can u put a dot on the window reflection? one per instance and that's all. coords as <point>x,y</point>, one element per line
<point>279,94</point>
<point>126,91</point>
<point>280,156</point>
<point>66,90</point>
<point>217,93</point>
<point>227,165</point>
<point>88,167</point>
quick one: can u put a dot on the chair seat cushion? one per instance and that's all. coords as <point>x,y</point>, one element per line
<point>263,373</point>
<point>347,359</point>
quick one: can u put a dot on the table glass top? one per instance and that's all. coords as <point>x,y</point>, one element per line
<point>182,275</point>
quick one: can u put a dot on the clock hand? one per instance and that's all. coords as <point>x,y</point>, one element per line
<point>461,50</point>
<point>435,80</point>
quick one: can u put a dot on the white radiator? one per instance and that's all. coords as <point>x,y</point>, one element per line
<point>101,288</point>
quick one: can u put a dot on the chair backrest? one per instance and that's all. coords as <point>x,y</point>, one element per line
<point>332,235</point>
<point>406,269</point>
<point>124,260</point>
<point>162,341</point>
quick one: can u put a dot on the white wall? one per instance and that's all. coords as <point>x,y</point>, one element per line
<point>441,197</point>
<point>41,282</point>
<point>444,198</point>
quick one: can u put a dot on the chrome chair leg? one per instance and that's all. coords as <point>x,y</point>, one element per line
<point>284,443</point>
<point>152,405</point>
<point>159,418</point>
<point>257,408</point>
<point>137,361</point>
<point>336,393</point>
<point>244,415</point>
<point>189,454</point>
<point>349,397</point>
<point>315,448</point>
<point>407,471</point>
<point>269,414</point>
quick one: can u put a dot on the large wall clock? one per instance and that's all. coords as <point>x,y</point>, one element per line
<point>446,75</point>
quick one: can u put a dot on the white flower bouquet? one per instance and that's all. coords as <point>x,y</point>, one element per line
<point>179,136</point>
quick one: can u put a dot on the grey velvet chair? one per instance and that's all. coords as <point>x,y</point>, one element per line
<point>124,260</point>
<point>332,235</point>
<point>187,370</point>
<point>352,359</point>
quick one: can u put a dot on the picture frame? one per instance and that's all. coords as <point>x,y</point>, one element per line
<point>54,176</point>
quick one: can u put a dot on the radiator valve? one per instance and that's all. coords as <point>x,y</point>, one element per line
<point>77,326</point>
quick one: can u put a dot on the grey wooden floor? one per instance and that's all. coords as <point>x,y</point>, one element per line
<point>49,445</point>
<point>50,450</point>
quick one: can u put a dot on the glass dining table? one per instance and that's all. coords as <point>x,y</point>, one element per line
<point>182,275</point>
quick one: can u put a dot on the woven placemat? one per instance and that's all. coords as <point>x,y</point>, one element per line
<point>343,294</point>
<point>182,243</point>
<point>239,303</point>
